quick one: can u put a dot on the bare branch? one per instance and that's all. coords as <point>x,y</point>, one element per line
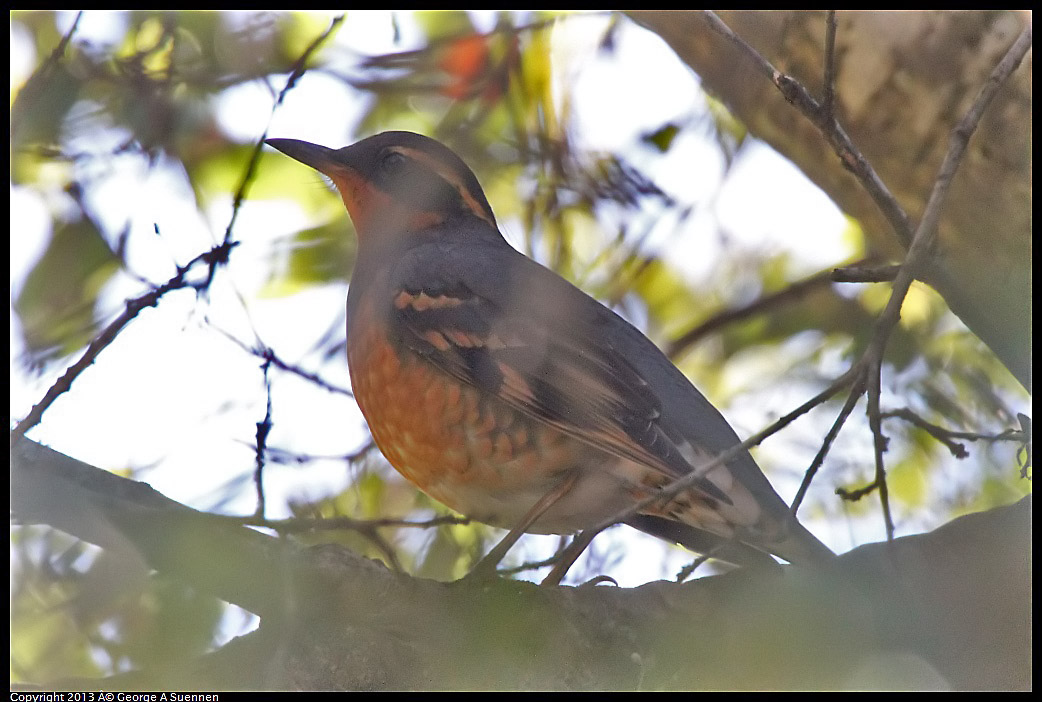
<point>833,432</point>
<point>851,157</point>
<point>829,91</point>
<point>948,436</point>
<point>686,481</point>
<point>215,256</point>
<point>792,293</point>
<point>864,274</point>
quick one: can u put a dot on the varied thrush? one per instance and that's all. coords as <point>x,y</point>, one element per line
<point>508,394</point>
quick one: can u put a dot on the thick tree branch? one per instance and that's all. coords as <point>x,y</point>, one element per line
<point>333,620</point>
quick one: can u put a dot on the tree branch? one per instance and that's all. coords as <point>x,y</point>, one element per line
<point>834,133</point>
<point>332,620</point>
<point>217,255</point>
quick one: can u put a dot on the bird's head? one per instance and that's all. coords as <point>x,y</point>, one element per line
<point>396,181</point>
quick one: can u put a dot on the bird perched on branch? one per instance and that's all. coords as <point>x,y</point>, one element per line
<point>508,394</point>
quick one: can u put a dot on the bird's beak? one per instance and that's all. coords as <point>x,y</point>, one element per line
<point>365,203</point>
<point>321,158</point>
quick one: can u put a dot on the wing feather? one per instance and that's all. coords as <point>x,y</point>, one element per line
<point>567,375</point>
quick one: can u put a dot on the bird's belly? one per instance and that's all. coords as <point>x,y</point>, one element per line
<point>468,450</point>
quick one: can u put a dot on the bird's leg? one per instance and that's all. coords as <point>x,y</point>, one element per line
<point>486,567</point>
<point>568,556</point>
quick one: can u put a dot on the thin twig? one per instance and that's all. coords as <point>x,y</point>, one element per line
<point>948,437</point>
<point>268,354</point>
<point>844,147</point>
<point>791,293</point>
<point>298,70</point>
<point>263,429</point>
<point>667,493</point>
<point>283,456</point>
<point>852,397</point>
<point>857,273</point>
<point>855,495</point>
<point>305,524</point>
<point>828,99</point>
<point>215,256</point>
<point>880,443</point>
<point>685,572</point>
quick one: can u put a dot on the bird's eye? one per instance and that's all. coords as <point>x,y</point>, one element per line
<point>392,162</point>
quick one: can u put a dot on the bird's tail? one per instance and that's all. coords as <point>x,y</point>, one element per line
<point>800,547</point>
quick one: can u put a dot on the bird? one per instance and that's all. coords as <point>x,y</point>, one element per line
<point>511,396</point>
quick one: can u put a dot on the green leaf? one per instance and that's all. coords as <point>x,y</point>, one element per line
<point>312,257</point>
<point>56,306</point>
<point>41,105</point>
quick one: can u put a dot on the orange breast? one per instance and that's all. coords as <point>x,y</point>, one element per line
<point>445,437</point>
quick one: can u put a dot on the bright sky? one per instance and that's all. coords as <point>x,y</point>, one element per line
<point>189,406</point>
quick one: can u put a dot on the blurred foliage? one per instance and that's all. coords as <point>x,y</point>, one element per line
<point>152,96</point>
<point>56,302</point>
